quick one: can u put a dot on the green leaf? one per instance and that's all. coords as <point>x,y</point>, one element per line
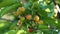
<point>42,13</point>
<point>43,27</point>
<point>4,24</point>
<point>1,1</point>
<point>44,6</point>
<point>34,0</point>
<point>7,3</point>
<point>7,9</point>
<point>48,20</point>
<point>48,32</point>
<point>28,4</point>
<point>11,32</point>
<point>21,32</point>
<point>13,25</point>
<point>39,32</point>
<point>58,25</point>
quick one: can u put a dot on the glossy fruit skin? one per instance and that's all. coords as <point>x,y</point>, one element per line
<point>22,18</point>
<point>21,9</point>
<point>40,22</point>
<point>30,30</point>
<point>29,17</point>
<point>36,18</point>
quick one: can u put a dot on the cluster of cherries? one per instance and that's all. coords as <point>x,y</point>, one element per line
<point>28,17</point>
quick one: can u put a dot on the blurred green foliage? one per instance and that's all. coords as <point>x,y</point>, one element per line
<point>43,8</point>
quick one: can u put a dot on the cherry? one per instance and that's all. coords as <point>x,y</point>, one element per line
<point>29,17</point>
<point>30,30</point>
<point>36,18</point>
